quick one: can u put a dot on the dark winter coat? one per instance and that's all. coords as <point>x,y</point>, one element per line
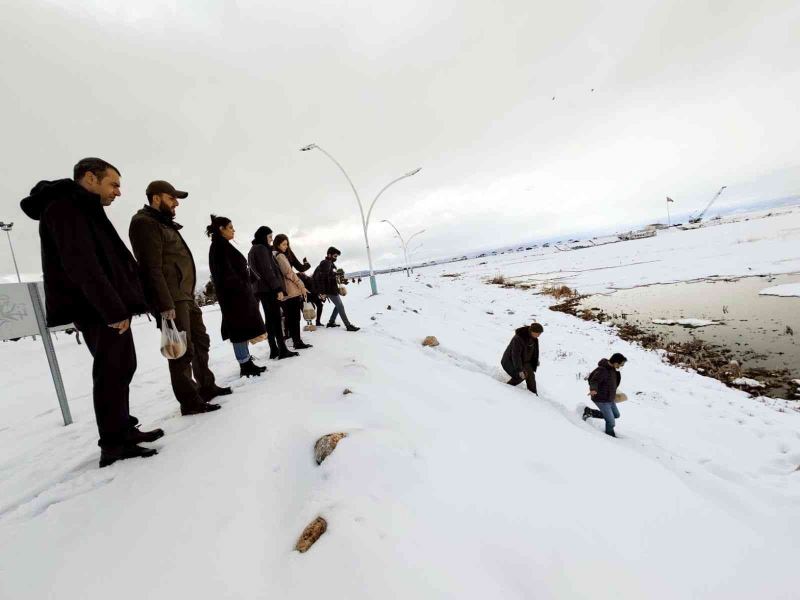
<point>166,263</point>
<point>325,278</point>
<point>522,351</point>
<point>300,267</point>
<point>241,317</point>
<point>89,273</point>
<point>265,269</point>
<point>605,380</point>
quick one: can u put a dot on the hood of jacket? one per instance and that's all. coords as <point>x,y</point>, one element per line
<point>524,332</point>
<point>44,192</point>
<point>605,364</point>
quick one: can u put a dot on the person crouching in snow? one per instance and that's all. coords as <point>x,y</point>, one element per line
<point>521,358</point>
<point>603,384</point>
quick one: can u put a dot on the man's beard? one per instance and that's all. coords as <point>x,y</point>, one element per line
<point>170,212</point>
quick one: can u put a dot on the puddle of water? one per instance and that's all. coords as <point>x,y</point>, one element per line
<point>753,327</point>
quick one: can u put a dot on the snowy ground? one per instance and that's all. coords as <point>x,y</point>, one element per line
<point>760,245</point>
<point>450,484</point>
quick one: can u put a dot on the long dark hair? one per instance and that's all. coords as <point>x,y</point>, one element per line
<point>212,230</point>
<point>278,240</point>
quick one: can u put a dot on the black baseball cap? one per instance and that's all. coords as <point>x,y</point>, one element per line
<point>164,187</point>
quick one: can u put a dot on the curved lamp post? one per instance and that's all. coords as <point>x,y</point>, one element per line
<point>403,243</point>
<point>364,220</point>
<point>7,228</point>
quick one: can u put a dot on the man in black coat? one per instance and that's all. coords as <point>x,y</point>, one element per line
<point>603,384</point>
<point>521,358</point>
<point>270,289</point>
<point>326,285</point>
<point>91,280</point>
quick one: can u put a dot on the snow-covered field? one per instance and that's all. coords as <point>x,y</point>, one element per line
<point>752,244</point>
<point>450,483</point>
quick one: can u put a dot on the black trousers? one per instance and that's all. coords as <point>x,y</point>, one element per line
<point>114,365</point>
<point>190,372</point>
<point>272,319</point>
<point>293,309</point>
<point>530,378</point>
<point>318,306</point>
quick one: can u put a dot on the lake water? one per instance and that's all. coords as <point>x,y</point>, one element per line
<point>761,331</point>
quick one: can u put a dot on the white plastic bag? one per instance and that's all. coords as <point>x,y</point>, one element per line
<point>309,312</point>
<point>173,342</point>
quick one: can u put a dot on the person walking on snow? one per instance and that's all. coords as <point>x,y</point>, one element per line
<point>91,280</point>
<point>169,275</point>
<point>269,289</point>
<point>603,384</point>
<point>328,288</point>
<point>521,358</point>
<point>241,319</point>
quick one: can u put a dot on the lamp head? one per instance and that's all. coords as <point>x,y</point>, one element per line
<point>307,148</point>
<point>414,172</point>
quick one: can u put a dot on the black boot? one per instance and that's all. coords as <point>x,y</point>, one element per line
<point>301,345</point>
<point>332,325</point>
<point>287,354</point>
<point>250,369</point>
<point>112,454</point>
<point>135,436</point>
<point>353,328</point>
<point>208,394</point>
<point>198,408</point>
<point>274,351</point>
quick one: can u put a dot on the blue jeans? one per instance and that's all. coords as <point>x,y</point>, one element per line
<point>609,411</point>
<point>338,309</point>
<point>241,352</point>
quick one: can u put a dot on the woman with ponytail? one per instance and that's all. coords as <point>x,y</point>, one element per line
<point>241,319</point>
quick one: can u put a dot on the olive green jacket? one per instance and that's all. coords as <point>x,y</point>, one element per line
<point>165,261</point>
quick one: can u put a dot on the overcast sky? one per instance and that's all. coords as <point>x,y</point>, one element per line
<point>493,100</point>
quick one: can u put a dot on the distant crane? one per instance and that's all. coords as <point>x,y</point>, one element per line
<point>700,216</point>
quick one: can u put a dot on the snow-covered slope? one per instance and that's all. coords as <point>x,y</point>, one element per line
<point>450,484</point>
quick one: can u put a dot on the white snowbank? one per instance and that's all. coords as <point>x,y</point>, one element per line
<point>785,290</point>
<point>685,322</point>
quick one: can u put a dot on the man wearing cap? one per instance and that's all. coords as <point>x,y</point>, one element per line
<point>328,288</point>
<point>169,277</point>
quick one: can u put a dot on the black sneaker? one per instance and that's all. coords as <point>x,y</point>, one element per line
<point>135,436</point>
<point>208,394</point>
<point>332,325</point>
<point>587,412</point>
<point>287,354</point>
<point>302,346</point>
<point>199,408</point>
<point>353,328</point>
<point>112,454</point>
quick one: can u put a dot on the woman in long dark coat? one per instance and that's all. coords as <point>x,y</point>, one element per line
<point>241,319</point>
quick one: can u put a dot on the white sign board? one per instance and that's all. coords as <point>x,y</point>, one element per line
<point>17,317</point>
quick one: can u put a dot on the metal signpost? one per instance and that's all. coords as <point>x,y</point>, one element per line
<point>22,314</point>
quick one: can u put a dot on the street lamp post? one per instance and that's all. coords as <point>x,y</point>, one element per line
<point>7,228</point>
<point>364,220</point>
<point>403,243</point>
